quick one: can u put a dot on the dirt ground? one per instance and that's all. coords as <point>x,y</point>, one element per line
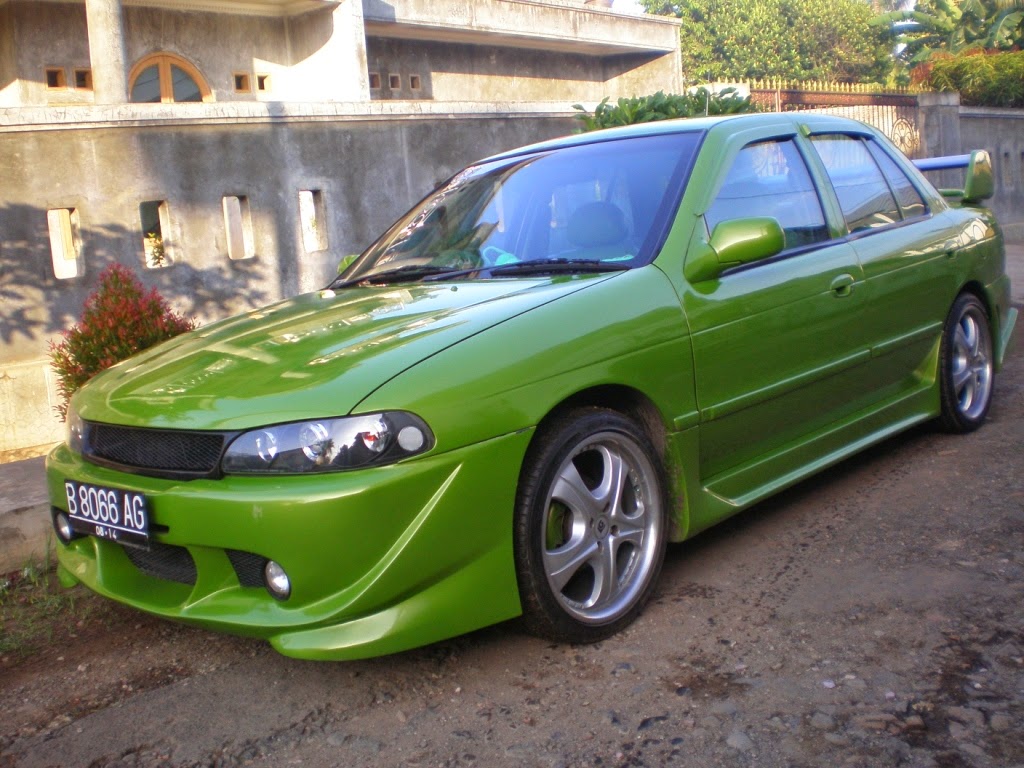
<point>869,617</point>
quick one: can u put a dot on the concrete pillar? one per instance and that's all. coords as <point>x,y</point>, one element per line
<point>328,55</point>
<point>938,125</point>
<point>106,51</point>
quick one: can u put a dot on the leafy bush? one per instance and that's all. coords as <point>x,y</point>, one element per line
<point>662,106</point>
<point>120,319</point>
<point>983,79</point>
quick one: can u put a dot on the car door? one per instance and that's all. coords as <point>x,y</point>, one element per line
<point>778,344</point>
<point>904,249</point>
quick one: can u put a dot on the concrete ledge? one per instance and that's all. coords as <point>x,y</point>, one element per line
<point>15,120</point>
<point>25,529</point>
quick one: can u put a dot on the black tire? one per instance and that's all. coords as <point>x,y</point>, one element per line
<point>591,526</point>
<point>966,373</point>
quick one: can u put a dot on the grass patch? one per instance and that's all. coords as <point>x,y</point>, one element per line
<point>35,610</point>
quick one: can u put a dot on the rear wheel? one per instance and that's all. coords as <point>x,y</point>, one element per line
<point>590,528</point>
<point>965,366</point>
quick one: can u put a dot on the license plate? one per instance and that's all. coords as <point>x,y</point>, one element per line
<point>109,513</point>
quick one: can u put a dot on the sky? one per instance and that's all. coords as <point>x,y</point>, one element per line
<point>628,6</point>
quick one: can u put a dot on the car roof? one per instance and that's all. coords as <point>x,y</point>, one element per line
<point>783,120</point>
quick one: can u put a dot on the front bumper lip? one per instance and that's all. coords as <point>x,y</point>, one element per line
<point>380,560</point>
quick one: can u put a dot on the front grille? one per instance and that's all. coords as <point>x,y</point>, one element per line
<point>164,561</point>
<point>155,450</point>
<point>248,567</point>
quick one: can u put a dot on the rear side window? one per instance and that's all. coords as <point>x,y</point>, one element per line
<point>864,195</point>
<point>769,178</point>
<point>909,199</point>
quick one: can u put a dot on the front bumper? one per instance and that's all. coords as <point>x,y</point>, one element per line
<point>380,560</point>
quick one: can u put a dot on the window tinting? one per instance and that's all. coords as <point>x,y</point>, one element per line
<point>146,89</point>
<point>864,196</point>
<point>907,196</point>
<point>769,178</point>
<point>605,201</point>
<point>183,86</point>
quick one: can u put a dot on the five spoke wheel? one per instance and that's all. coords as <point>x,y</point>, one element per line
<point>590,527</point>
<point>966,365</point>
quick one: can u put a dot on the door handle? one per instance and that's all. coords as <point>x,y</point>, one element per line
<point>842,285</point>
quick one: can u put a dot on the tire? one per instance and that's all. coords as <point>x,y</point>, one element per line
<point>966,372</point>
<point>590,526</point>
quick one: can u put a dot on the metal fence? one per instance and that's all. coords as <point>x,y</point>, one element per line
<point>894,112</point>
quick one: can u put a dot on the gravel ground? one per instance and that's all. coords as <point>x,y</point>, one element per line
<point>869,617</point>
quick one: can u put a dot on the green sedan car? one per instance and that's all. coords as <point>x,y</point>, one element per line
<point>562,359</point>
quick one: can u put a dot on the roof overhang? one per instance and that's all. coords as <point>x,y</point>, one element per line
<point>276,8</point>
<point>534,24</point>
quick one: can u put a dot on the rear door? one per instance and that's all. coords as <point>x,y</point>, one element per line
<point>904,249</point>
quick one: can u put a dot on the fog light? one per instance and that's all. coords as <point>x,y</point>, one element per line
<point>278,583</point>
<point>62,524</point>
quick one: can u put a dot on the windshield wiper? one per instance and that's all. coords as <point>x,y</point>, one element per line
<point>407,273</point>
<point>548,266</point>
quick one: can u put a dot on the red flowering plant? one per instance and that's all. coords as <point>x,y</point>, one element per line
<point>120,319</point>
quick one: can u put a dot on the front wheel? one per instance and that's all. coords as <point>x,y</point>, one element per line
<point>965,365</point>
<point>590,527</point>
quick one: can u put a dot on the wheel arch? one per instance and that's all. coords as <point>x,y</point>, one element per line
<point>642,410</point>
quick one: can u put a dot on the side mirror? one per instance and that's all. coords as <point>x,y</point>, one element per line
<point>741,241</point>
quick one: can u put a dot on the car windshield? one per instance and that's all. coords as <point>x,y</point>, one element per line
<point>593,207</point>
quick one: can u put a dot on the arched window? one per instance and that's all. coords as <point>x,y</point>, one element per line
<point>164,77</point>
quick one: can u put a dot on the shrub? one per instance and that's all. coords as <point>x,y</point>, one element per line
<point>662,106</point>
<point>983,79</point>
<point>119,319</point>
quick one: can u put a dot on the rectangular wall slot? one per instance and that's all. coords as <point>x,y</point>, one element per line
<point>238,227</point>
<point>83,79</point>
<point>65,242</point>
<point>55,77</point>
<point>313,220</point>
<point>414,82</point>
<point>242,82</point>
<point>263,83</point>
<point>155,233</point>
<point>395,82</point>
<point>374,80</point>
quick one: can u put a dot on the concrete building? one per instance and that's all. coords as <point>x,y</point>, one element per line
<point>232,151</point>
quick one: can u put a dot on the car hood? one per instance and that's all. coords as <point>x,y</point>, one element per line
<point>313,356</point>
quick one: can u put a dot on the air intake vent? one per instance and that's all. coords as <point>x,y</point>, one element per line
<point>163,561</point>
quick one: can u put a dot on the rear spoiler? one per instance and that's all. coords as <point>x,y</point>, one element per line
<point>978,182</point>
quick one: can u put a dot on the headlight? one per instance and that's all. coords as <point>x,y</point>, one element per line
<point>74,431</point>
<point>328,445</point>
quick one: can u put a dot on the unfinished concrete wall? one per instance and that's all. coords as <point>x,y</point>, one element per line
<point>64,44</point>
<point>365,169</point>
<point>10,93</point>
<point>219,45</point>
<point>1001,132</point>
<point>456,72</point>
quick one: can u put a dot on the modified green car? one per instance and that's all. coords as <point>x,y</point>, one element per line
<point>562,359</point>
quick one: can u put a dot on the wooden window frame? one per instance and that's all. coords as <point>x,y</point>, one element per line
<point>164,62</point>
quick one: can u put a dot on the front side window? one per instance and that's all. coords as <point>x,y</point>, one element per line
<point>166,78</point>
<point>604,203</point>
<point>864,196</point>
<point>770,178</point>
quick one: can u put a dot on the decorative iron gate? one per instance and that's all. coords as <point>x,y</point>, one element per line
<point>894,113</point>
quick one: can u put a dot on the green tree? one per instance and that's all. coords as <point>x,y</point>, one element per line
<point>954,26</point>
<point>797,39</point>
